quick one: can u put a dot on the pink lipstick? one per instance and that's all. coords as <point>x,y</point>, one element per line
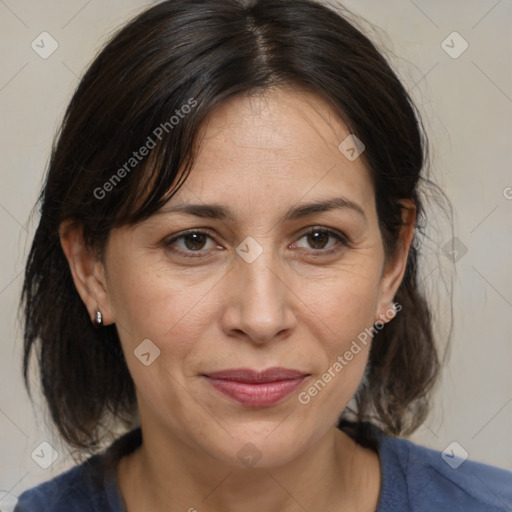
<point>256,389</point>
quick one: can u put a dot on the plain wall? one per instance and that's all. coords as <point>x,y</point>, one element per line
<point>467,107</point>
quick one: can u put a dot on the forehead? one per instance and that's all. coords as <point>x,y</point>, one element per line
<point>282,143</point>
<point>275,124</point>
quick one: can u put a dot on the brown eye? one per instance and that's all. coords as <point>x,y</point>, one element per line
<point>190,242</point>
<point>318,240</point>
<point>194,241</point>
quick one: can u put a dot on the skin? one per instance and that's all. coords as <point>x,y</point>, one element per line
<point>293,306</point>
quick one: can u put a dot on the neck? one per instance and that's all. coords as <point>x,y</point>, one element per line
<point>165,472</point>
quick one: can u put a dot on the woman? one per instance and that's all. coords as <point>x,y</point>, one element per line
<point>225,267</point>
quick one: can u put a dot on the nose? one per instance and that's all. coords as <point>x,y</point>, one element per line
<point>260,303</point>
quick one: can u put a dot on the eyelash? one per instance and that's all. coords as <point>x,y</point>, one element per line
<point>342,239</point>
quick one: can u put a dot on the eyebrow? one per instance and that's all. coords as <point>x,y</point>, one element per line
<point>220,212</point>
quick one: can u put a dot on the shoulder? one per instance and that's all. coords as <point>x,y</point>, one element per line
<point>86,487</point>
<point>78,489</point>
<point>432,480</point>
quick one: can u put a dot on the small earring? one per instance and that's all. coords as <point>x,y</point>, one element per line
<point>98,321</point>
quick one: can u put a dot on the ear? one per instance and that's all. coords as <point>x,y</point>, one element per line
<point>394,269</point>
<point>87,270</point>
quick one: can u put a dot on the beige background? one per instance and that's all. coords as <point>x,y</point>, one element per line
<point>467,105</point>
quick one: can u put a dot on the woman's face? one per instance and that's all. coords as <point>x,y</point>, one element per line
<point>253,289</point>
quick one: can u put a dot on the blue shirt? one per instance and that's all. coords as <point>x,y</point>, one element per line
<point>414,479</point>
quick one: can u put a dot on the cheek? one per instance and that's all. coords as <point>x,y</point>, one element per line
<point>173,313</point>
<point>176,310</point>
<point>345,302</point>
<point>151,303</point>
<point>345,339</point>
<point>345,310</point>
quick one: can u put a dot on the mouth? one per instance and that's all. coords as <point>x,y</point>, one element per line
<point>256,388</point>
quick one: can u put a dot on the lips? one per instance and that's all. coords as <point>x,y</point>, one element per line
<point>256,389</point>
<point>253,376</point>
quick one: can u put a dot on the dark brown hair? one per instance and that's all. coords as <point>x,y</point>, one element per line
<point>200,53</point>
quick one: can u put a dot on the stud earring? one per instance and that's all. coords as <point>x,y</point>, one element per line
<point>98,321</point>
